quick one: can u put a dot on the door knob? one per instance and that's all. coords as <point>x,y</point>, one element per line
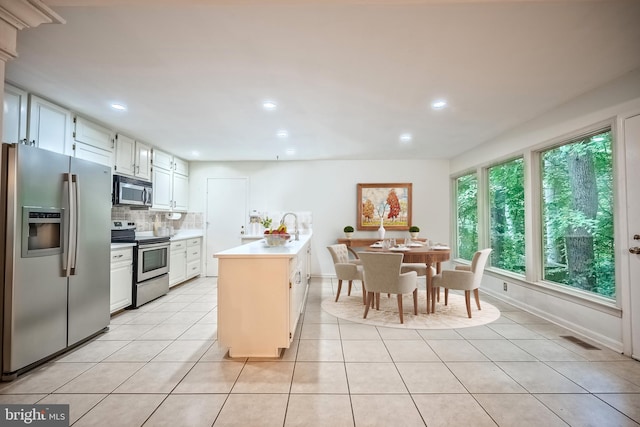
<point>635,250</point>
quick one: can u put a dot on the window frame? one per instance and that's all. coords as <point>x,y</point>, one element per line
<point>533,276</point>
<point>537,158</point>
<point>454,211</point>
<point>487,210</point>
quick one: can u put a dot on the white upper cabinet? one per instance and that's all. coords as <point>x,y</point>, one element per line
<point>180,166</point>
<point>14,124</point>
<point>92,134</point>
<point>92,142</point>
<point>170,182</point>
<point>162,198</point>
<point>162,160</point>
<point>49,126</point>
<point>143,161</point>
<point>125,155</point>
<point>180,192</point>
<point>132,158</point>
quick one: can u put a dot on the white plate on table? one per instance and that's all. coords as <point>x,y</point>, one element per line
<point>376,245</point>
<point>400,249</point>
<point>440,248</point>
<point>414,245</point>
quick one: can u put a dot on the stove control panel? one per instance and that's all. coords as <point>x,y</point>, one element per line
<point>123,225</point>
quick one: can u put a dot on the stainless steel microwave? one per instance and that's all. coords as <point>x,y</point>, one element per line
<point>131,192</point>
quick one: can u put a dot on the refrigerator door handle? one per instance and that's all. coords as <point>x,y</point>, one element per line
<point>66,202</point>
<point>74,207</point>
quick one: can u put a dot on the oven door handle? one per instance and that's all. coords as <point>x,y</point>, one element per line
<point>145,246</point>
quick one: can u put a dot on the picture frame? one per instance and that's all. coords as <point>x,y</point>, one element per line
<point>392,202</point>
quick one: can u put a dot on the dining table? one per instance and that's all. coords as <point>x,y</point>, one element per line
<point>431,255</point>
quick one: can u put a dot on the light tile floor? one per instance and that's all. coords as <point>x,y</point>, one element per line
<point>161,365</point>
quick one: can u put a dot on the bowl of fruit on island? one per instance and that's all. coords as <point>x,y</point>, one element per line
<point>277,237</point>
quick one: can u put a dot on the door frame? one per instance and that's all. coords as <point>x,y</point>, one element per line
<point>628,267</point>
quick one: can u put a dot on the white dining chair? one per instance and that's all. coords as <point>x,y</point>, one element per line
<point>382,275</point>
<point>464,278</point>
<point>346,268</point>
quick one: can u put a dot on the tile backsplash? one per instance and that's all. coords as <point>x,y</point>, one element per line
<point>145,219</point>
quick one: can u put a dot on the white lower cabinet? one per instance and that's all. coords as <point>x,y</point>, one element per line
<point>121,278</point>
<point>178,262</point>
<point>185,260</point>
<point>194,259</point>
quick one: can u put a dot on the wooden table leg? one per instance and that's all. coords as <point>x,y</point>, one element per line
<point>429,287</point>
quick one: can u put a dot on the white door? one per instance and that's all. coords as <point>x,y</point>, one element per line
<point>632,144</point>
<point>226,216</point>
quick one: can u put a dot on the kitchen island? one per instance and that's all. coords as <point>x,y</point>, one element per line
<point>261,293</point>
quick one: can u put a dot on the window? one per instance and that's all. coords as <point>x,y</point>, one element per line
<point>467,216</point>
<point>506,216</point>
<point>577,223</point>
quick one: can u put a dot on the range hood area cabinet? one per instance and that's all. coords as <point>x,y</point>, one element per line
<point>133,158</point>
<point>170,182</point>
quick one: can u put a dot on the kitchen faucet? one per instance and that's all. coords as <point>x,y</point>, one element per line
<point>296,232</point>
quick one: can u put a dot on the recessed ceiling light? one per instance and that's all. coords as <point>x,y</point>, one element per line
<point>269,105</point>
<point>195,153</point>
<point>282,133</point>
<point>406,137</point>
<point>119,107</point>
<point>439,105</point>
<point>290,151</point>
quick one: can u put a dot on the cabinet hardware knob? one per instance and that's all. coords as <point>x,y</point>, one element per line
<point>635,250</point>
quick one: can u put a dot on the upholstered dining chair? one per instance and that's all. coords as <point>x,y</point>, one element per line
<point>382,275</point>
<point>464,278</point>
<point>346,268</point>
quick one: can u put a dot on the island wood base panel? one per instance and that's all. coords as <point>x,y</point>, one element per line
<point>253,306</point>
<point>261,294</point>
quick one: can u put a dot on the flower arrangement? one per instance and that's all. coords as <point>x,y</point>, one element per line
<point>266,222</point>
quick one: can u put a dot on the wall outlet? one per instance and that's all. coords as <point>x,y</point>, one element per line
<point>504,286</point>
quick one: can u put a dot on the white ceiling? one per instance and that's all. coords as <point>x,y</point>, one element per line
<point>348,76</point>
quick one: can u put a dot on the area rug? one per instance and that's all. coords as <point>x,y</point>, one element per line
<point>451,316</point>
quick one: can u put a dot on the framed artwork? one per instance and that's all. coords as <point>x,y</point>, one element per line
<point>389,203</point>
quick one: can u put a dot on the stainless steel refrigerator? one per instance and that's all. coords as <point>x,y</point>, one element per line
<point>56,213</point>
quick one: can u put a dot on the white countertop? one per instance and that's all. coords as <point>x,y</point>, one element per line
<point>187,234</point>
<point>259,248</point>
<point>122,245</point>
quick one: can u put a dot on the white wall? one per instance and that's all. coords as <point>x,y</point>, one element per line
<point>329,190</point>
<point>610,103</point>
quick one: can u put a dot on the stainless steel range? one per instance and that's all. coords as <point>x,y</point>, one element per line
<point>150,262</point>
